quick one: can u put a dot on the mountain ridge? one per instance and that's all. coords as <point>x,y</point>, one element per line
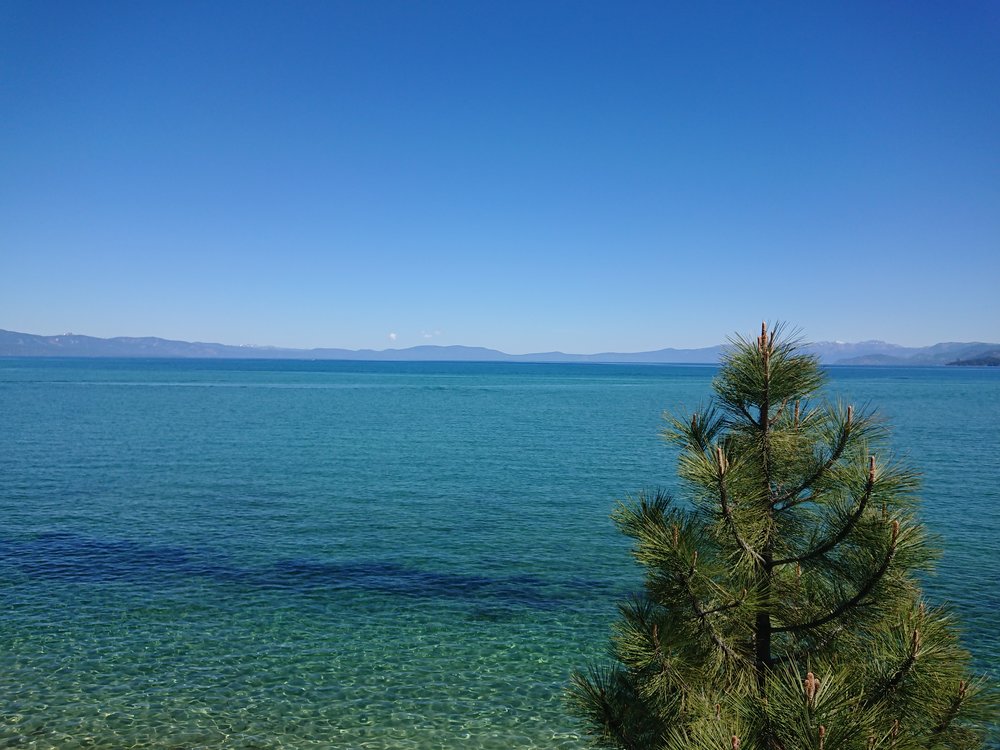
<point>871,352</point>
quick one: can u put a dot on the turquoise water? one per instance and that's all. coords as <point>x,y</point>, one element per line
<point>359,555</point>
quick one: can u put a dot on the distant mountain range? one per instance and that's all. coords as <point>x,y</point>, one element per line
<point>14,344</point>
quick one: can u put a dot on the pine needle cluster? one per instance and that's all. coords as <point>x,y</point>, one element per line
<point>782,607</point>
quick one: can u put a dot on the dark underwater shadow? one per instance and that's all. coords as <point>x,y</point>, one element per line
<point>73,558</point>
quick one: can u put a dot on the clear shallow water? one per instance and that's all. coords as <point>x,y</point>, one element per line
<point>360,555</point>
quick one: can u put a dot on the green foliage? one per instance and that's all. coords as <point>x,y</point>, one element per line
<point>781,607</point>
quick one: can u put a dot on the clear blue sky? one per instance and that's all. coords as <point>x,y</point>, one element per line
<point>527,176</point>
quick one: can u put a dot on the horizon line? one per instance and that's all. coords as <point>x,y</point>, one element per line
<point>480,347</point>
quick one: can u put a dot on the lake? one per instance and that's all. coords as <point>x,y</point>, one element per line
<point>265,554</point>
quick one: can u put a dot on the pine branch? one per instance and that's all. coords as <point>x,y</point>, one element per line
<point>778,412</point>
<point>608,700</point>
<point>703,614</point>
<point>724,607</point>
<point>825,641</point>
<point>848,604</point>
<point>741,407</point>
<point>953,709</point>
<point>666,668</point>
<point>907,665</point>
<point>845,530</point>
<point>791,498</point>
<point>698,433</point>
<point>727,511</point>
<point>641,646</point>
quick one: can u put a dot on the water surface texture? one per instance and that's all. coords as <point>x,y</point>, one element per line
<point>359,555</point>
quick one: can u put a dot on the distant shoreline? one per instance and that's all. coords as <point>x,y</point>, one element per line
<point>305,361</point>
<point>865,353</point>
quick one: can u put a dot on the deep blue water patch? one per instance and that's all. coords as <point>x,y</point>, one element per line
<point>72,558</point>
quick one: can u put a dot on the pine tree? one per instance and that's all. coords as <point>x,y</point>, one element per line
<point>782,608</point>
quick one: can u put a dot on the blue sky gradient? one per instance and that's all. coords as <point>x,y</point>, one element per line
<point>527,176</point>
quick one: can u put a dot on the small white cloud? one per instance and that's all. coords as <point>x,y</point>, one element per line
<point>392,336</point>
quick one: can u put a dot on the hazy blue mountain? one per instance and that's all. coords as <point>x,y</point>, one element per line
<point>15,344</point>
<point>831,352</point>
<point>938,354</point>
